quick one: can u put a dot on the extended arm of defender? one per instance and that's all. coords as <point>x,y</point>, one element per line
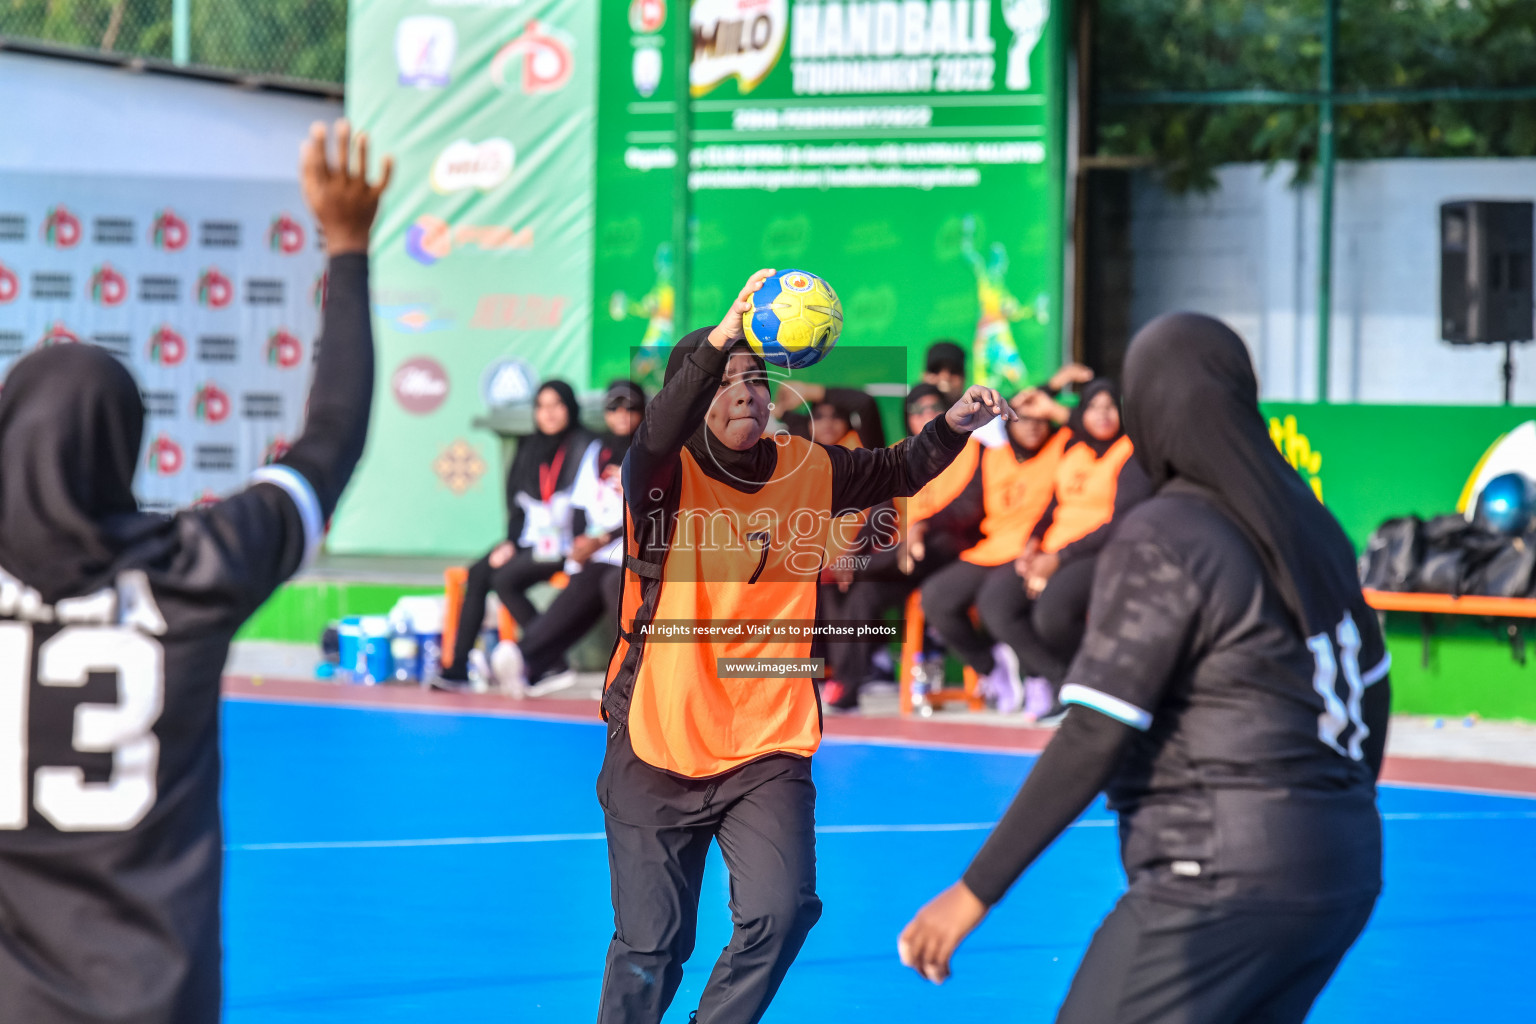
<point>344,202</point>
<point>862,477</point>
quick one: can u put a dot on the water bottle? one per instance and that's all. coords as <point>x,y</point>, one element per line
<point>920,687</point>
<point>404,648</point>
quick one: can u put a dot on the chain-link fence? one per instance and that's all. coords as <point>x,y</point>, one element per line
<point>303,39</point>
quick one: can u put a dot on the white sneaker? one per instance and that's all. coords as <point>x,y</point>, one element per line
<point>553,683</point>
<point>507,670</point>
<point>1004,682</point>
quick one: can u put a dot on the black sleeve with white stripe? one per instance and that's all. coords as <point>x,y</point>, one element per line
<point>342,393</point>
<point>1142,616</point>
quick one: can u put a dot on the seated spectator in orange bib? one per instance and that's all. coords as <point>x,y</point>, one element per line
<point>895,567</point>
<point>725,526</point>
<point>1041,612</point>
<point>541,521</point>
<point>1017,482</point>
<point>535,665</point>
<point>846,416</point>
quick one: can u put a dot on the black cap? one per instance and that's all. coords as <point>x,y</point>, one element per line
<point>945,355</point>
<point>624,394</point>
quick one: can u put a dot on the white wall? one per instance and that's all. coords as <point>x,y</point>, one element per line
<point>74,117</point>
<point>1248,254</point>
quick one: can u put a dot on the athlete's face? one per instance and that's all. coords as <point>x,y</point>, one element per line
<point>622,421</point>
<point>828,426</point>
<point>924,413</point>
<point>1102,416</point>
<point>1029,433</point>
<point>549,413</point>
<point>739,413</point>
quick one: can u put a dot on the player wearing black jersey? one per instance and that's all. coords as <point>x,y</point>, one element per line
<point>1232,693</point>
<point>114,629</point>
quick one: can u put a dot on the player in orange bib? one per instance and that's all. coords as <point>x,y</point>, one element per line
<point>724,527</point>
<point>1017,481</point>
<point>1043,616</point>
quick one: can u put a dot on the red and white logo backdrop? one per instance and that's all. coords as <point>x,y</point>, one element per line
<point>205,290</point>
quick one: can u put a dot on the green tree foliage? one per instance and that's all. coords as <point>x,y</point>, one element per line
<point>287,38</point>
<point>1190,45</point>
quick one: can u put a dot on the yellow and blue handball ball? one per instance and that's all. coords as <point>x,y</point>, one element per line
<point>795,319</point>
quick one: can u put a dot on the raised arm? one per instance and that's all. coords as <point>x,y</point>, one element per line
<point>344,202</point>
<point>681,405</point>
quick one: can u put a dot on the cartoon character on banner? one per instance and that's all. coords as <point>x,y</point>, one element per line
<point>995,355</point>
<point>657,306</point>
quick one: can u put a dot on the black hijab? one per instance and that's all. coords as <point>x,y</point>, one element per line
<point>539,452</point>
<point>1080,435</point>
<point>1192,409</point>
<point>745,470</point>
<point>71,422</point>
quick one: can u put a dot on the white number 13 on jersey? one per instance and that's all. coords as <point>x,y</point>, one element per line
<point>61,794</point>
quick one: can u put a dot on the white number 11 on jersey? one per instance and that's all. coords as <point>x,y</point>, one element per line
<point>1341,713</point>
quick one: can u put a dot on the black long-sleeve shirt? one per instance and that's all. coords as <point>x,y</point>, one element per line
<point>342,392</point>
<point>116,901</point>
<point>1237,773</point>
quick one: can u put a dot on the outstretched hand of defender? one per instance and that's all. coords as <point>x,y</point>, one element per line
<point>976,408</point>
<point>731,330</point>
<point>930,938</point>
<point>338,191</point>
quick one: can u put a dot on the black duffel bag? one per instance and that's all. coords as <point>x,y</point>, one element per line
<point>1510,572</point>
<point>1456,553</point>
<point>1392,555</point>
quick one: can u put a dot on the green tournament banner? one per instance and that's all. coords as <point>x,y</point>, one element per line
<point>642,200</point>
<point>910,151</point>
<point>482,257</point>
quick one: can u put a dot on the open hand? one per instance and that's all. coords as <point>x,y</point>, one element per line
<point>930,938</point>
<point>1037,405</point>
<point>976,408</point>
<point>1072,373</point>
<point>501,554</point>
<point>339,193</point>
<point>731,329</point>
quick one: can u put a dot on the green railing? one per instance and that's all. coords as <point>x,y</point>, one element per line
<point>294,39</point>
<point>1190,84</point>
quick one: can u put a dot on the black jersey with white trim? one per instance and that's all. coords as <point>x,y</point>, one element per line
<point>110,845</point>
<point>1252,775</point>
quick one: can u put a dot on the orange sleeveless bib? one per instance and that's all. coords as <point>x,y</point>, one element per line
<point>1085,492</point>
<point>733,556</point>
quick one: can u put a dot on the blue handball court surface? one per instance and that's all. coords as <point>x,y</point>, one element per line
<point>397,865</point>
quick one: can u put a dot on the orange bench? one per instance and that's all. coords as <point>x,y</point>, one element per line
<point>454,581</point>
<point>1450,604</point>
<point>912,649</point>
